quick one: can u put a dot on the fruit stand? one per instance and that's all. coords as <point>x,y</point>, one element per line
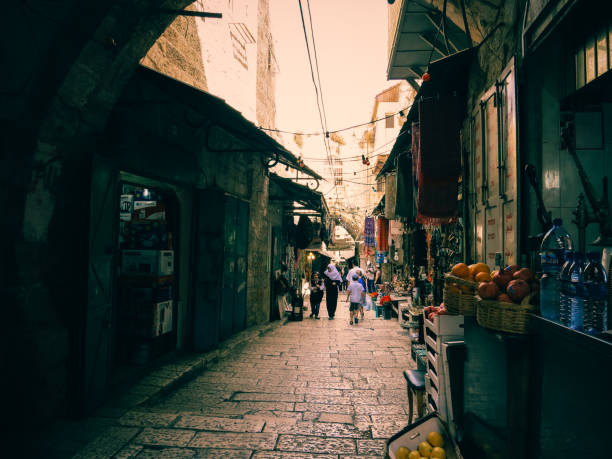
<point>519,388</point>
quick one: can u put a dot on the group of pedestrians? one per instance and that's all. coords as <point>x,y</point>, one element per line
<point>360,282</point>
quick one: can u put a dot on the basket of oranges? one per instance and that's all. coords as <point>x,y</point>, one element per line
<point>460,287</point>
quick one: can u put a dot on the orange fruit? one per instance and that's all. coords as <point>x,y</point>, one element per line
<point>435,439</point>
<point>438,453</point>
<point>482,277</point>
<point>402,453</point>
<point>461,270</point>
<point>414,455</point>
<point>479,268</point>
<point>425,449</point>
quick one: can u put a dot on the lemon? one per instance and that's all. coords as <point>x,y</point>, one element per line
<point>425,449</point>
<point>402,453</point>
<point>438,453</point>
<point>435,439</point>
<point>414,455</point>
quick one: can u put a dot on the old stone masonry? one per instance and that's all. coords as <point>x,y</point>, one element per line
<point>310,389</point>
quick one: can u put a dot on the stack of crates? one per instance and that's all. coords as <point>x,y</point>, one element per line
<point>440,330</point>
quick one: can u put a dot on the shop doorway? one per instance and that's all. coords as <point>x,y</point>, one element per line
<point>146,310</point>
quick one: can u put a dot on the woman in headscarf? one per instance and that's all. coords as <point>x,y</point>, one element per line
<point>332,280</point>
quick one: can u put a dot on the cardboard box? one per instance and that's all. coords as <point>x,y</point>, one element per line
<point>147,262</point>
<point>147,234</point>
<point>126,207</point>
<point>146,320</point>
<point>143,204</point>
<point>157,212</point>
<point>415,433</point>
<point>162,318</point>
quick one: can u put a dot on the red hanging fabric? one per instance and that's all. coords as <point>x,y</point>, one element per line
<point>438,161</point>
<point>383,234</point>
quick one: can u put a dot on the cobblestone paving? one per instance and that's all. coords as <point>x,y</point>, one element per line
<point>308,390</point>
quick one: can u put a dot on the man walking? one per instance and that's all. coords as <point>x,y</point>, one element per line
<point>355,295</point>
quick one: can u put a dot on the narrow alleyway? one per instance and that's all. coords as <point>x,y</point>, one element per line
<point>310,389</point>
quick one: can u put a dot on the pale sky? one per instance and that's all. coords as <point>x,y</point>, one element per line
<point>351,40</point>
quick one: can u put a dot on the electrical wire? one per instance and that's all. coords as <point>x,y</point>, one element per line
<point>401,112</point>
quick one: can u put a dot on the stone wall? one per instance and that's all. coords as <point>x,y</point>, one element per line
<point>266,68</point>
<point>177,53</point>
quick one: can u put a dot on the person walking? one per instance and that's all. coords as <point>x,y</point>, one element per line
<point>317,287</point>
<point>332,282</point>
<point>362,281</point>
<point>355,295</point>
<point>370,275</point>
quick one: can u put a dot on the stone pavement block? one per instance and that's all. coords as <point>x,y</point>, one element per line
<point>280,455</point>
<point>146,419</point>
<point>267,406</point>
<point>221,424</point>
<point>279,417</point>
<point>325,408</point>
<point>164,437</point>
<point>224,453</point>
<point>319,429</point>
<point>323,385</point>
<point>328,400</point>
<point>166,453</point>
<point>335,417</point>
<point>379,409</point>
<point>261,397</point>
<point>129,452</point>
<point>307,444</point>
<point>371,447</point>
<point>232,440</point>
<point>108,443</point>
<point>320,391</point>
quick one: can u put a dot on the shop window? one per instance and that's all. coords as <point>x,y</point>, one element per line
<point>602,53</point>
<point>589,58</point>
<point>389,121</point>
<point>580,78</point>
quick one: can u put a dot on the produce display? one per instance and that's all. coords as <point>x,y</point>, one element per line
<point>432,448</point>
<point>510,285</point>
<point>433,311</point>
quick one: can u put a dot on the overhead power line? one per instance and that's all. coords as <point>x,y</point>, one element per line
<point>401,112</point>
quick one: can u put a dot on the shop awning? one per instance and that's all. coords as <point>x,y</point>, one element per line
<point>217,113</point>
<point>284,189</point>
<point>419,30</point>
<point>380,207</point>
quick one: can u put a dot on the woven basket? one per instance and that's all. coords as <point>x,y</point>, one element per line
<point>459,296</point>
<point>505,317</point>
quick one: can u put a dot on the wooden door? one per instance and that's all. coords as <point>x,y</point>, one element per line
<point>104,213</point>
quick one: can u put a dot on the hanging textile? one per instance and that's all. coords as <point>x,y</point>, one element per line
<point>390,195</point>
<point>439,161</point>
<point>415,150</point>
<point>383,234</point>
<point>369,232</point>
<point>405,196</point>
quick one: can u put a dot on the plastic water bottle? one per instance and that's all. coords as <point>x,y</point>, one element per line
<point>596,305</point>
<point>555,242</point>
<point>564,277</point>
<point>577,293</point>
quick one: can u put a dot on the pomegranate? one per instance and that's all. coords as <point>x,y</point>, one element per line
<point>503,298</point>
<point>518,289</point>
<point>502,279</point>
<point>524,274</point>
<point>488,290</point>
<point>512,269</point>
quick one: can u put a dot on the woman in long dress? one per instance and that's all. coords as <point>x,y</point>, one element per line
<point>332,281</point>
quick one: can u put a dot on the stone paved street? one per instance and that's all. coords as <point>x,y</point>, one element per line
<point>310,389</point>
